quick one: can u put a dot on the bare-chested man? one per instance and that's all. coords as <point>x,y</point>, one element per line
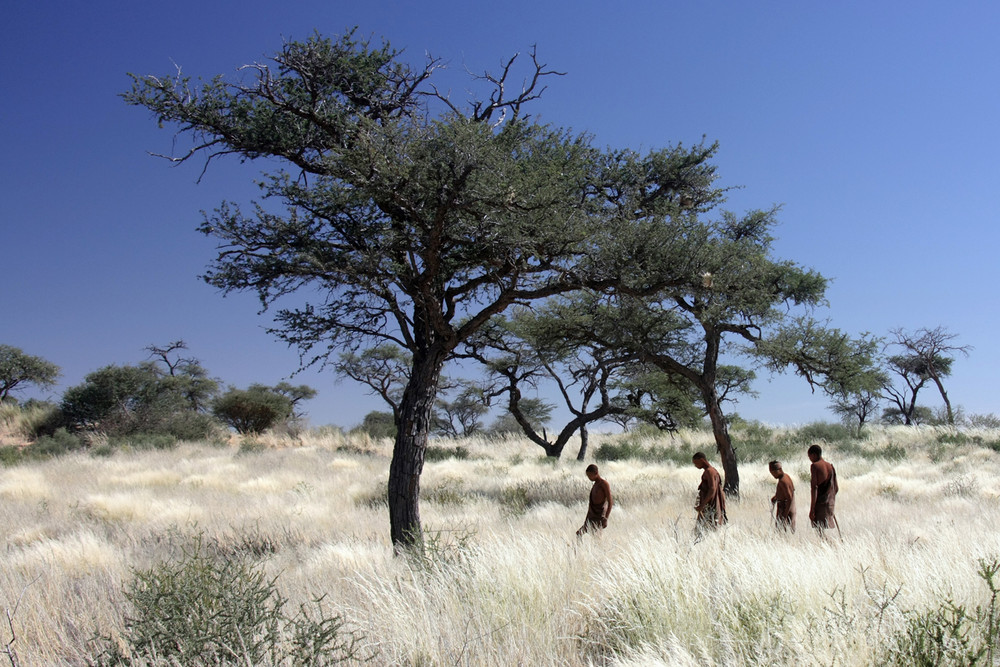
<point>600,504</point>
<point>711,505</point>
<point>784,498</point>
<point>822,490</point>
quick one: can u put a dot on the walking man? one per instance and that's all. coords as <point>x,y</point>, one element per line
<point>600,504</point>
<point>784,498</point>
<point>822,490</point>
<point>711,505</point>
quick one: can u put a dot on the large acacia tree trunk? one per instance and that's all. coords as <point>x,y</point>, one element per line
<point>413,430</point>
<point>722,441</point>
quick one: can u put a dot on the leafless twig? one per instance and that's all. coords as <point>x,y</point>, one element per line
<point>9,647</point>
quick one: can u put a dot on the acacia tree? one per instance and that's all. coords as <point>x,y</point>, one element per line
<point>463,415</point>
<point>552,344</point>
<point>409,218</point>
<point>925,355</point>
<point>18,369</point>
<point>185,375</point>
<point>735,299</point>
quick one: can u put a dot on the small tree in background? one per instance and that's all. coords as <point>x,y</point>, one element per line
<point>186,375</point>
<point>925,355</point>
<point>253,410</point>
<point>377,424</point>
<point>118,400</point>
<point>17,370</point>
<point>534,411</point>
<point>463,415</point>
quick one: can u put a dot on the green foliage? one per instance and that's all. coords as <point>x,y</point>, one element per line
<point>18,370</point>
<point>463,415</point>
<point>10,456</point>
<point>889,452</point>
<point>212,608</point>
<point>825,431</point>
<point>253,410</point>
<point>634,449</point>
<point>536,411</point>
<point>951,633</point>
<point>60,442</point>
<point>377,425</point>
<point>143,441</point>
<point>755,441</point>
<point>434,453</point>
<point>128,400</point>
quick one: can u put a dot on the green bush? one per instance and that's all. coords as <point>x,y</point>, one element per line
<point>144,441</point>
<point>627,449</point>
<point>825,431</point>
<point>619,451</point>
<point>377,425</point>
<point>444,453</point>
<point>11,456</point>
<point>60,442</point>
<point>206,608</point>
<point>887,453</point>
<point>952,634</point>
<point>754,441</point>
<point>254,410</point>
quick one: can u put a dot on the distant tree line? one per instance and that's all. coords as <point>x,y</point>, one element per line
<point>166,398</point>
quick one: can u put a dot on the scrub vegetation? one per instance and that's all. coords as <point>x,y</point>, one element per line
<point>276,552</point>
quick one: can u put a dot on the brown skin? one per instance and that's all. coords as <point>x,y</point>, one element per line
<point>779,474</point>
<point>600,485</point>
<point>812,490</point>
<point>705,499</point>
<point>819,474</point>
<point>700,464</point>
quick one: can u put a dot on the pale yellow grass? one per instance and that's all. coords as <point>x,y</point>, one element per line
<point>506,581</point>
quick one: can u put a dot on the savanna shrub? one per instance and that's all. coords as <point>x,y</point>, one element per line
<point>253,410</point>
<point>213,608</point>
<point>433,453</point>
<point>60,442</point>
<point>377,424</point>
<point>824,431</point>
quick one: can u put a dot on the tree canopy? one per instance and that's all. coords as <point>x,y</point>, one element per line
<point>18,369</point>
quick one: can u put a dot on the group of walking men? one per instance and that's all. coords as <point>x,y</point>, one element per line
<point>711,507</point>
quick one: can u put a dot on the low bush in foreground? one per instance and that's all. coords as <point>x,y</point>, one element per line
<point>214,608</point>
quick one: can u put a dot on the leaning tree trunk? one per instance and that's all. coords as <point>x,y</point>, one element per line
<point>723,442</point>
<point>414,427</point>
<point>944,397</point>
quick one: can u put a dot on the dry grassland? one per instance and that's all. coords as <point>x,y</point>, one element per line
<point>506,582</point>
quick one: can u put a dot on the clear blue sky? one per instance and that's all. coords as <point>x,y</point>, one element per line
<point>875,124</point>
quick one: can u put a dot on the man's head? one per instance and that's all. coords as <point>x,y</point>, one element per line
<point>699,460</point>
<point>775,468</point>
<point>815,453</point>
<point>592,472</point>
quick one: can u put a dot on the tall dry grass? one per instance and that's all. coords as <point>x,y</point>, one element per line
<point>505,581</point>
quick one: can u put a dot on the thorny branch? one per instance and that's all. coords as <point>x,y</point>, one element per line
<point>9,647</point>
